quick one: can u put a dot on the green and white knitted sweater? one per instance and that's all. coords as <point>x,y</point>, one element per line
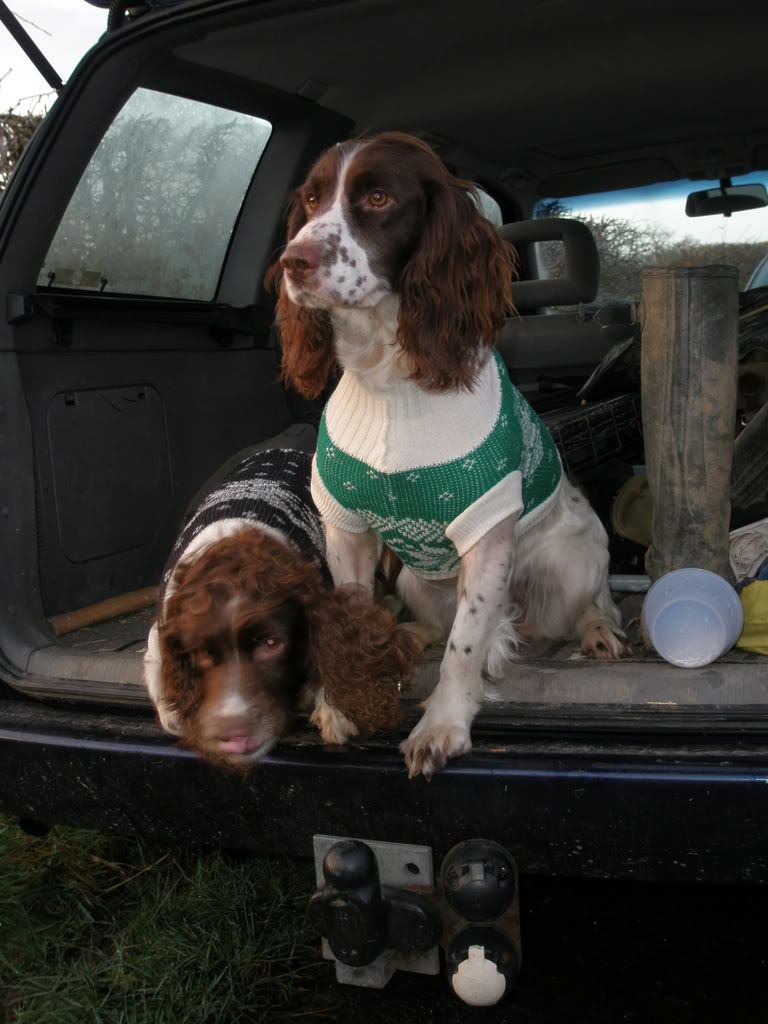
<point>489,457</point>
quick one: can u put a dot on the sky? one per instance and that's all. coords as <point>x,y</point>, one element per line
<point>747,226</point>
<point>63,29</point>
<point>664,205</point>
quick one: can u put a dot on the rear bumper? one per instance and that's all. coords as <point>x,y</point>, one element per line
<point>580,811</point>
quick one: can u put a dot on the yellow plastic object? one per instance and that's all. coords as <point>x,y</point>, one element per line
<point>754,600</point>
<point>632,511</point>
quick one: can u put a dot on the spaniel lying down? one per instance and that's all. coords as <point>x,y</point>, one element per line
<point>249,628</point>
<point>391,270</point>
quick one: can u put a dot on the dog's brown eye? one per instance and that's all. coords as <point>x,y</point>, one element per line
<point>267,646</point>
<point>378,198</point>
<point>311,200</point>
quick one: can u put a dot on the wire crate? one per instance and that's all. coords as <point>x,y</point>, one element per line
<point>595,432</point>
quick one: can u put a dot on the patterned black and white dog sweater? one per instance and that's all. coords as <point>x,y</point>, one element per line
<point>270,490</point>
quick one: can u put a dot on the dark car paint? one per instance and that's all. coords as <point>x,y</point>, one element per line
<point>593,808</point>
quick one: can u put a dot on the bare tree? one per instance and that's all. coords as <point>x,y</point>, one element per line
<point>15,132</point>
<point>626,247</point>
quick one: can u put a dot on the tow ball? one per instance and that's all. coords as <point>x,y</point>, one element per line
<point>379,909</point>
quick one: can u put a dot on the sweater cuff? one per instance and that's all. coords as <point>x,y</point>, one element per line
<point>504,499</point>
<point>330,510</point>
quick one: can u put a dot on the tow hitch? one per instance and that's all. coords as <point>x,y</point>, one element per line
<point>379,909</point>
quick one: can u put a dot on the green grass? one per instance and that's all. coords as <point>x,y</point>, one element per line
<point>101,929</point>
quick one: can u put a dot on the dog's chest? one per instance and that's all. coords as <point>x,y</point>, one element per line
<point>402,427</point>
<point>411,468</point>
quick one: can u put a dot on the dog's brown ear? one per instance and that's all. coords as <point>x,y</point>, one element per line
<point>455,290</point>
<point>306,343</point>
<point>306,335</point>
<point>359,657</point>
<point>179,681</point>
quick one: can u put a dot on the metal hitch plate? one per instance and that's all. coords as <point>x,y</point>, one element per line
<point>401,866</point>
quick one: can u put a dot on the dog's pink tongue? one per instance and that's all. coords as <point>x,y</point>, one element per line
<point>238,745</point>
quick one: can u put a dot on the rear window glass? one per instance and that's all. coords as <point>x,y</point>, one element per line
<point>156,206</point>
<point>648,227</point>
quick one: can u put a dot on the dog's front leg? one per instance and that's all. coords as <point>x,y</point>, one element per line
<point>352,557</point>
<point>483,586</point>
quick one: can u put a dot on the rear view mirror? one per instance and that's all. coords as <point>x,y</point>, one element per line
<point>726,199</point>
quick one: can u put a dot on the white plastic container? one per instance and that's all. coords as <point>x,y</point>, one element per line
<point>692,617</point>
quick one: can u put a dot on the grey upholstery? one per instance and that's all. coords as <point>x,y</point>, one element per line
<point>569,342</point>
<point>581,279</point>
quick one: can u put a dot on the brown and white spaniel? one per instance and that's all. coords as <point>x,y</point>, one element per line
<point>250,628</point>
<point>392,271</point>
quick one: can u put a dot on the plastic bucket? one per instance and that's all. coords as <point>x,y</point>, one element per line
<point>692,617</point>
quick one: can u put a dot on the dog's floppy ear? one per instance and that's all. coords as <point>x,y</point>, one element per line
<point>181,691</point>
<point>306,335</point>
<point>181,685</point>
<point>306,342</point>
<point>456,289</point>
<point>358,656</point>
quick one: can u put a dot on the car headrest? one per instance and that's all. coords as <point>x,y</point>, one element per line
<point>581,277</point>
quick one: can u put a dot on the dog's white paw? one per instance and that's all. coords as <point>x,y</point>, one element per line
<point>334,726</point>
<point>604,640</point>
<point>170,720</point>
<point>432,743</point>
